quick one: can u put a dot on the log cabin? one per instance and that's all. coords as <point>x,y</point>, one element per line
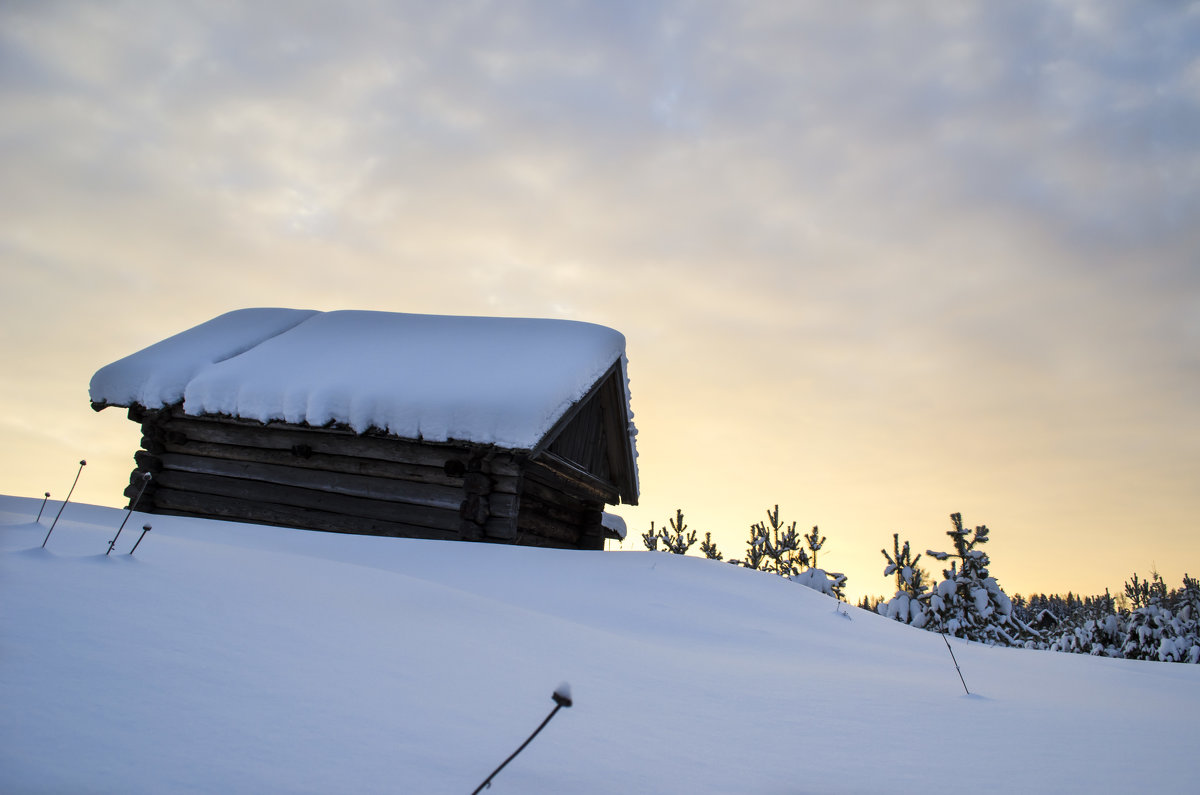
<point>506,430</point>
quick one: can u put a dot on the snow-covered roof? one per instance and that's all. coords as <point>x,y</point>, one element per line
<point>502,381</point>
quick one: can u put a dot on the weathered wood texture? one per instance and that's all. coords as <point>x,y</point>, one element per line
<point>333,479</point>
<point>593,436</point>
<point>184,503</point>
<point>558,509</point>
<point>583,441</point>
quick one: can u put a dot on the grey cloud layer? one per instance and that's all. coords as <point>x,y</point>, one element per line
<point>868,200</point>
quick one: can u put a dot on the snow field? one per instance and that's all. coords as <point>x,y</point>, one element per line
<point>240,658</point>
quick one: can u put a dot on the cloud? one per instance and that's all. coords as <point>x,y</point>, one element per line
<point>872,231</point>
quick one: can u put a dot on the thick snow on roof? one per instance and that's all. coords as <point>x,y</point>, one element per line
<point>614,524</point>
<point>502,381</point>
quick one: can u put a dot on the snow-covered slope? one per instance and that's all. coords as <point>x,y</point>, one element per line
<point>238,658</point>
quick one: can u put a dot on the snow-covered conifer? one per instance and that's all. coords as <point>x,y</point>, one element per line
<point>906,606</point>
<point>1165,628</point>
<point>968,602</point>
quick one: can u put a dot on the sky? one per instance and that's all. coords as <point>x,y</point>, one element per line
<point>875,263</point>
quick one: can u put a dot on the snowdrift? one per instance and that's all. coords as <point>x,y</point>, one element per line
<point>243,659</point>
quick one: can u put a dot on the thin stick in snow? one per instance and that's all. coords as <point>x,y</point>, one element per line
<point>35,521</point>
<point>952,657</point>
<point>82,464</point>
<point>562,698</point>
<point>132,507</point>
<point>145,529</point>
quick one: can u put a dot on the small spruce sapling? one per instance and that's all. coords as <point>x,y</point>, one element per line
<point>815,541</point>
<point>755,558</point>
<point>709,548</point>
<point>969,603</point>
<point>676,540</point>
<point>910,578</point>
<point>906,606</point>
<point>1137,592</point>
<point>650,539</point>
<point>780,546</point>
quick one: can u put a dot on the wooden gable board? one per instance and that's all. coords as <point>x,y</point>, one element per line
<point>600,415</point>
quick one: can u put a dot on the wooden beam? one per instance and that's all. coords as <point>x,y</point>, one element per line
<point>434,475</point>
<point>270,493</point>
<point>375,488</point>
<point>561,474</point>
<point>184,503</point>
<point>547,528</point>
<point>331,441</point>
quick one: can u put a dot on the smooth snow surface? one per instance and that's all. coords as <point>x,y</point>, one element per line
<point>248,659</point>
<point>159,375</point>
<point>502,381</point>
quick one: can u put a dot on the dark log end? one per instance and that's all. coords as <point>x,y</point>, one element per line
<point>475,509</point>
<point>476,483</point>
<point>470,531</point>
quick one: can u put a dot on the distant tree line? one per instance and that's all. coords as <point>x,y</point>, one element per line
<point>1148,621</point>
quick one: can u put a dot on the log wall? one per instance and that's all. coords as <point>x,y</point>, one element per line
<point>334,479</point>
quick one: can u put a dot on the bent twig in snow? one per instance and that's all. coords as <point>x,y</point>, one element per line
<point>82,464</point>
<point>132,506</point>
<point>562,698</point>
<point>145,529</point>
<point>47,499</point>
<point>952,657</point>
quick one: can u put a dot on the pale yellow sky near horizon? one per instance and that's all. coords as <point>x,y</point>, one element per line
<point>873,265</point>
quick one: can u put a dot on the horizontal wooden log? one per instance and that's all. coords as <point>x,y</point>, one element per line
<point>501,528</point>
<point>271,493</point>
<point>474,509</point>
<point>502,505</point>
<point>540,525</point>
<point>533,489</point>
<point>564,476</point>
<point>572,519</point>
<point>183,503</point>
<point>530,539</point>
<point>138,485</point>
<point>331,441</point>
<point>349,465</point>
<point>432,495</point>
<point>590,542</point>
<point>147,462</point>
<point>591,529</point>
